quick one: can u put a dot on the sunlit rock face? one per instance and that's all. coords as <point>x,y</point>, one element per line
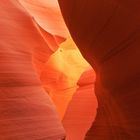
<point>43,76</point>
<point>61,74</point>
<point>82,108</point>
<point>108,35</point>
<point>47,14</point>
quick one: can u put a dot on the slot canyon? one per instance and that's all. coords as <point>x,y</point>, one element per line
<point>69,70</point>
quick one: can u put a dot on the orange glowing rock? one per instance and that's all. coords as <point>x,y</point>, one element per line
<point>26,111</point>
<point>47,14</point>
<point>40,60</point>
<point>62,72</point>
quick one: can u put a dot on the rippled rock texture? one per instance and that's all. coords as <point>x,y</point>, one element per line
<point>107,33</point>
<point>46,87</point>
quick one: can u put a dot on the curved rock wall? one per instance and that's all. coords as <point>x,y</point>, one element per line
<point>107,33</point>
<point>39,60</point>
<point>26,111</point>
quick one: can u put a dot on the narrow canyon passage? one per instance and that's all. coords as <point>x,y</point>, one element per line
<point>46,86</point>
<point>57,57</point>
